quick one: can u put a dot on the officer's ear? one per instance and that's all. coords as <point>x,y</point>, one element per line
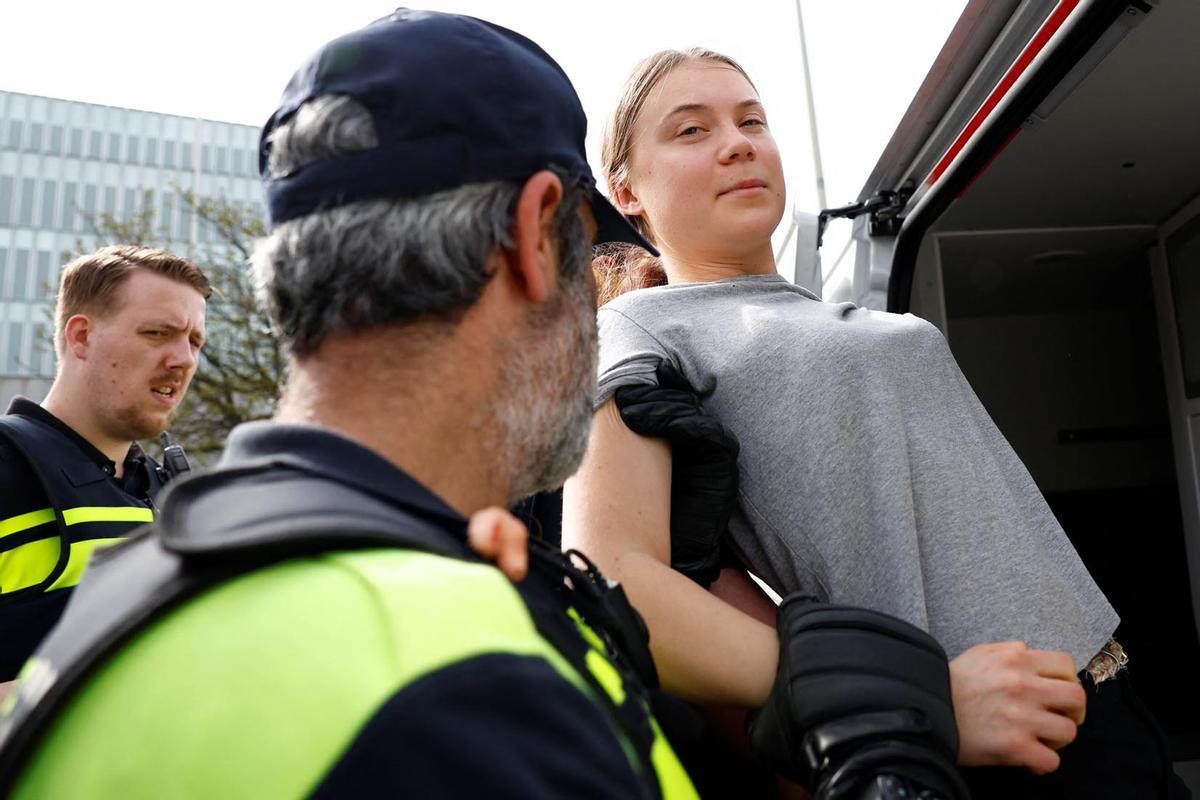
<point>533,261</point>
<point>77,334</point>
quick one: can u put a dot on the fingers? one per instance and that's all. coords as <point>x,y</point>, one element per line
<point>499,536</point>
<point>1036,757</point>
<point>1066,698</point>
<point>1059,689</point>
<point>1050,664</point>
<point>1015,706</point>
<point>1054,730</point>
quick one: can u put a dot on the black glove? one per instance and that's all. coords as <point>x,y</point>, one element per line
<point>704,477</point>
<point>861,706</point>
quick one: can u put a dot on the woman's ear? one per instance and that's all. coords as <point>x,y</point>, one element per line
<point>625,199</point>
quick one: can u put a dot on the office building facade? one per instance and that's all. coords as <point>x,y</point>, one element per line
<point>64,166</point>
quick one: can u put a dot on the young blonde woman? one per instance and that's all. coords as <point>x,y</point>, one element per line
<point>870,474</point>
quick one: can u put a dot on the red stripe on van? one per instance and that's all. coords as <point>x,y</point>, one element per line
<point>988,163</point>
<point>1039,40</point>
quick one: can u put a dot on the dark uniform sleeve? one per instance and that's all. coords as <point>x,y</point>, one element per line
<point>25,620</point>
<point>496,726</point>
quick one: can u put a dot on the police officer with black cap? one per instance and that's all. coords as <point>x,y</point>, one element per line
<point>308,618</point>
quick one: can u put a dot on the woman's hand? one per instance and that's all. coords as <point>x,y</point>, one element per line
<point>1015,706</point>
<point>502,539</point>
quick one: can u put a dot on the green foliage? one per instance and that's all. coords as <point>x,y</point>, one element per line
<point>242,365</point>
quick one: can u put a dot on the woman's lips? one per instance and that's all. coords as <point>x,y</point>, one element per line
<point>745,187</point>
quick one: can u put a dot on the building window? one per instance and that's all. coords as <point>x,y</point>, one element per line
<point>110,200</point>
<point>206,164</point>
<point>20,275</point>
<point>222,159</point>
<point>152,152</point>
<point>43,350</point>
<point>14,135</point>
<point>76,148</point>
<point>70,190</point>
<point>114,147</point>
<point>49,195</point>
<point>35,137</point>
<point>95,142</point>
<point>25,218</point>
<point>3,270</point>
<point>165,216</point>
<point>184,232</point>
<point>56,140</point>
<point>237,162</point>
<point>16,331</point>
<point>90,194</point>
<point>131,149</point>
<point>6,192</point>
<point>185,156</point>
<point>43,289</point>
<point>169,155</point>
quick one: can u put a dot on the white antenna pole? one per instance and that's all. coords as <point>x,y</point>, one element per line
<point>812,113</point>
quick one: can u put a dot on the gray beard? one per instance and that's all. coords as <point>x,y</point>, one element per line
<point>543,421</point>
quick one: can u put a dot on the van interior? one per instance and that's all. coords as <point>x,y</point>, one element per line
<point>1040,275</point>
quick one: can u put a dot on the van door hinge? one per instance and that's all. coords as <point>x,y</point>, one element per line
<point>884,209</point>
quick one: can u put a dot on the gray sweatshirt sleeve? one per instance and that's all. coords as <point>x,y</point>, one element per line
<point>629,354</point>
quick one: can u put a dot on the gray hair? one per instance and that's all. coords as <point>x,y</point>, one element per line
<point>382,261</point>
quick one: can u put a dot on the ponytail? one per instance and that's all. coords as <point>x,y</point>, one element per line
<point>621,268</point>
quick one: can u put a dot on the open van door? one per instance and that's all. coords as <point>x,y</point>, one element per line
<point>1040,203</point>
<point>1175,267</point>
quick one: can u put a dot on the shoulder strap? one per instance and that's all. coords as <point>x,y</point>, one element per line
<point>22,433</point>
<point>215,527</point>
<point>265,512</point>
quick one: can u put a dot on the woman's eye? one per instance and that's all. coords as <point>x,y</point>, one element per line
<point>753,121</point>
<point>690,130</point>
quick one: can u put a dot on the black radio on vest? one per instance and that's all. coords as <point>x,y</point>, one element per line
<point>175,461</point>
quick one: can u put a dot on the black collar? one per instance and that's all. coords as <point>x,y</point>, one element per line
<point>322,452</point>
<point>135,459</point>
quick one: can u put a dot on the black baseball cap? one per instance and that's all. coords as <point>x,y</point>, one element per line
<point>455,100</point>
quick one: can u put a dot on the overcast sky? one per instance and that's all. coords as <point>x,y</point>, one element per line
<point>229,60</point>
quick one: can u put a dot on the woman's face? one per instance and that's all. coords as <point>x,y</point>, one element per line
<point>705,170</point>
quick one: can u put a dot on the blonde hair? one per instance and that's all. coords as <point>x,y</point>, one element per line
<point>90,282</point>
<point>622,268</point>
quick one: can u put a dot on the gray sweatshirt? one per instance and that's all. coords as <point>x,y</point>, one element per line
<point>870,472</point>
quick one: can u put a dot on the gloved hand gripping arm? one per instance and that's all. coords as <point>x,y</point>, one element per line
<point>704,477</point>
<point>861,706</point>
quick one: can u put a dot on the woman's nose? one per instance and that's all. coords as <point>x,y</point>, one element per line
<point>738,146</point>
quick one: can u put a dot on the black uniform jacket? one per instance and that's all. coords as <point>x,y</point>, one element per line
<point>27,616</point>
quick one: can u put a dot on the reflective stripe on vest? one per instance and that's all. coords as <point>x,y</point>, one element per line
<point>29,564</point>
<point>673,780</point>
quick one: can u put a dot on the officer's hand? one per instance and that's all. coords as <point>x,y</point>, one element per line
<point>501,538</point>
<point>704,467</point>
<point>1015,706</point>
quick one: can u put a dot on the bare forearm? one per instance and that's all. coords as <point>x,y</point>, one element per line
<point>706,650</point>
<point>617,510</point>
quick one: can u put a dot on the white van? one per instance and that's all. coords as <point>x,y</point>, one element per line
<point>1040,203</point>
